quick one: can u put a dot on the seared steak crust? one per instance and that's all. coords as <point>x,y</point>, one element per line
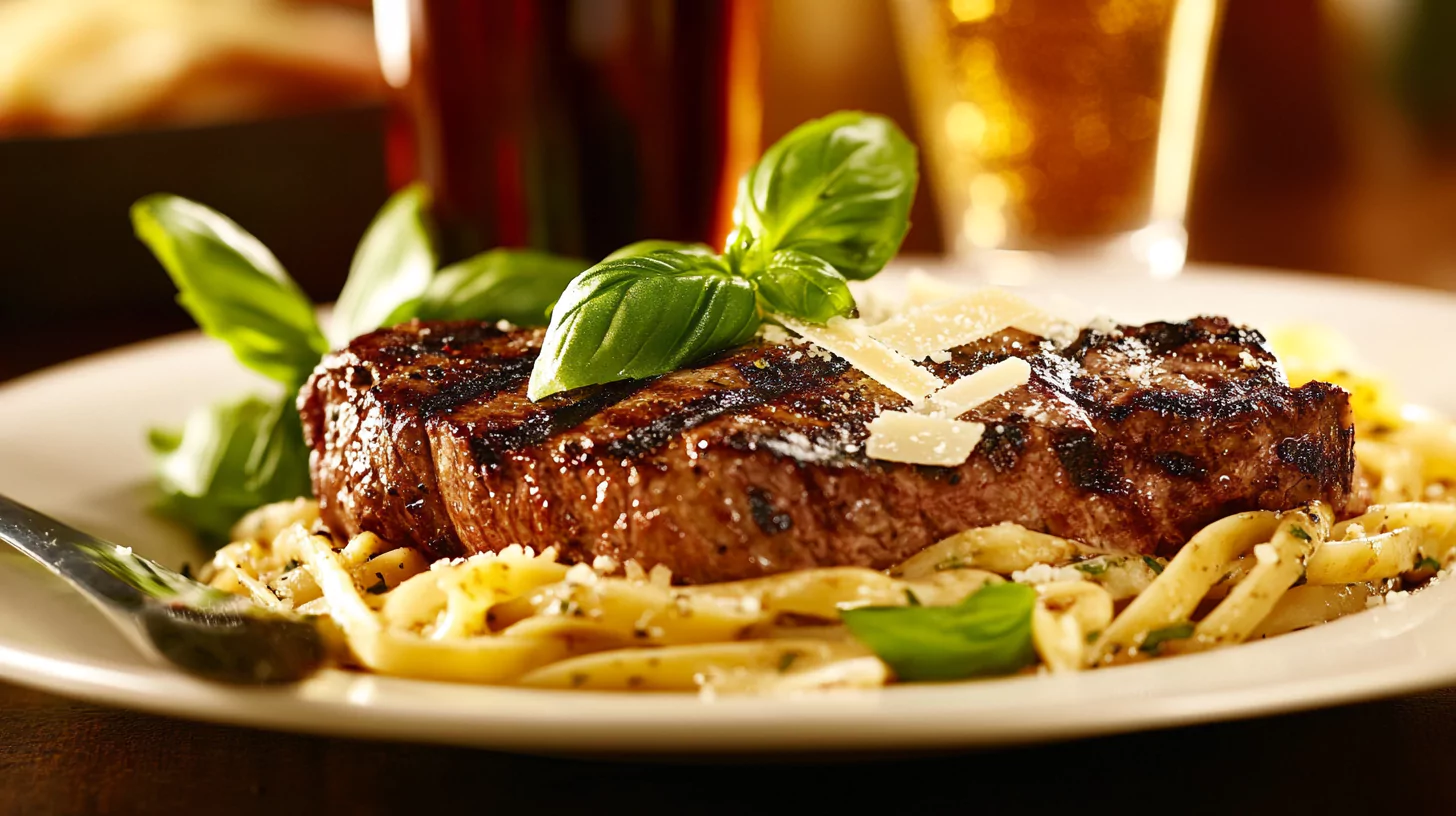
<point>1129,439</point>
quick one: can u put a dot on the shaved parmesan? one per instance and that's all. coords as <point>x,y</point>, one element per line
<point>917,439</point>
<point>1045,324</point>
<point>986,384</point>
<point>946,324</point>
<point>848,339</point>
<point>922,288</point>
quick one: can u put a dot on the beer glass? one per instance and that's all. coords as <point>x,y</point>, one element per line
<point>1060,126</point>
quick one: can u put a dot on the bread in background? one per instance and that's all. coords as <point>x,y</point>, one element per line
<point>73,67</point>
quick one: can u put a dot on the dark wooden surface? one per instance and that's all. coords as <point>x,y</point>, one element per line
<point>58,756</point>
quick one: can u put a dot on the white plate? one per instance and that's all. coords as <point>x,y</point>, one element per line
<point>71,443</point>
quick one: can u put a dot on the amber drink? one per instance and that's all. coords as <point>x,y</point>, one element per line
<point>1060,126</point>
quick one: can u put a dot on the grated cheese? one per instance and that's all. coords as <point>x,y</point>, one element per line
<point>923,330</point>
<point>917,439</point>
<point>848,339</point>
<point>982,386</point>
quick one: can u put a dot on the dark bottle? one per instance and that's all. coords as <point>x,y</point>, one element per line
<point>575,126</point>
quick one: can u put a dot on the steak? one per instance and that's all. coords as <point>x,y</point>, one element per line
<point>1128,439</point>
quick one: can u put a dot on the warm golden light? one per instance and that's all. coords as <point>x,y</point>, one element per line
<point>970,11</point>
<point>1051,123</point>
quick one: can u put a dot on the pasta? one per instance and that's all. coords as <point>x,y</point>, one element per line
<point>521,617</point>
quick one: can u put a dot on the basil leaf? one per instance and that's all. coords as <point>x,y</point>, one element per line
<point>988,633</point>
<point>228,459</point>
<point>803,286</point>
<point>838,188</point>
<point>233,287</point>
<point>640,316</point>
<point>392,267</point>
<point>648,247</point>
<point>503,284</point>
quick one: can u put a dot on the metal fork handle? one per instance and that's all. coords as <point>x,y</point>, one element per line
<point>198,629</point>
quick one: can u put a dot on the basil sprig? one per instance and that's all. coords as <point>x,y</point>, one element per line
<point>828,202</point>
<point>235,455</point>
<point>989,633</point>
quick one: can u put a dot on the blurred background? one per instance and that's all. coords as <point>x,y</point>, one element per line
<point>1328,141</point>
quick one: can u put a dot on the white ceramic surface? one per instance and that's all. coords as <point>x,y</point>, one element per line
<point>72,444</point>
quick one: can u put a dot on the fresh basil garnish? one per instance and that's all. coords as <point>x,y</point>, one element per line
<point>989,633</point>
<point>637,248</point>
<point>233,287</point>
<point>518,285</point>
<point>228,459</point>
<point>642,315</point>
<point>234,456</point>
<point>828,202</point>
<point>803,286</point>
<point>392,267</point>
<point>837,188</point>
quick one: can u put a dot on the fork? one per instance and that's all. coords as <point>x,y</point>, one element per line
<point>203,631</point>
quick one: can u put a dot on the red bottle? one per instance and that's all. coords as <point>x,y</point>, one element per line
<point>575,126</point>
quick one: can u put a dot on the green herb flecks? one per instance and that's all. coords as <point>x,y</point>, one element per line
<point>1093,568</point>
<point>1153,564</point>
<point>1153,642</point>
<point>378,587</point>
<point>786,660</point>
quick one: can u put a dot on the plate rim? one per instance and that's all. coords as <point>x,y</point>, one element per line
<point>160,691</point>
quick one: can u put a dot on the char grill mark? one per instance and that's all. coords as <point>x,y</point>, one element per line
<point>493,445</point>
<point>771,380</point>
<point>500,374</point>
<point>1087,464</point>
<point>754,462</point>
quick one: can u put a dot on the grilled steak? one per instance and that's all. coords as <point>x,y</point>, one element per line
<point>753,463</point>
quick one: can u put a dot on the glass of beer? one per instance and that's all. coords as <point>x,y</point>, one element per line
<point>1060,126</point>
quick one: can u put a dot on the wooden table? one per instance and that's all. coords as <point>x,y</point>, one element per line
<point>59,756</point>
